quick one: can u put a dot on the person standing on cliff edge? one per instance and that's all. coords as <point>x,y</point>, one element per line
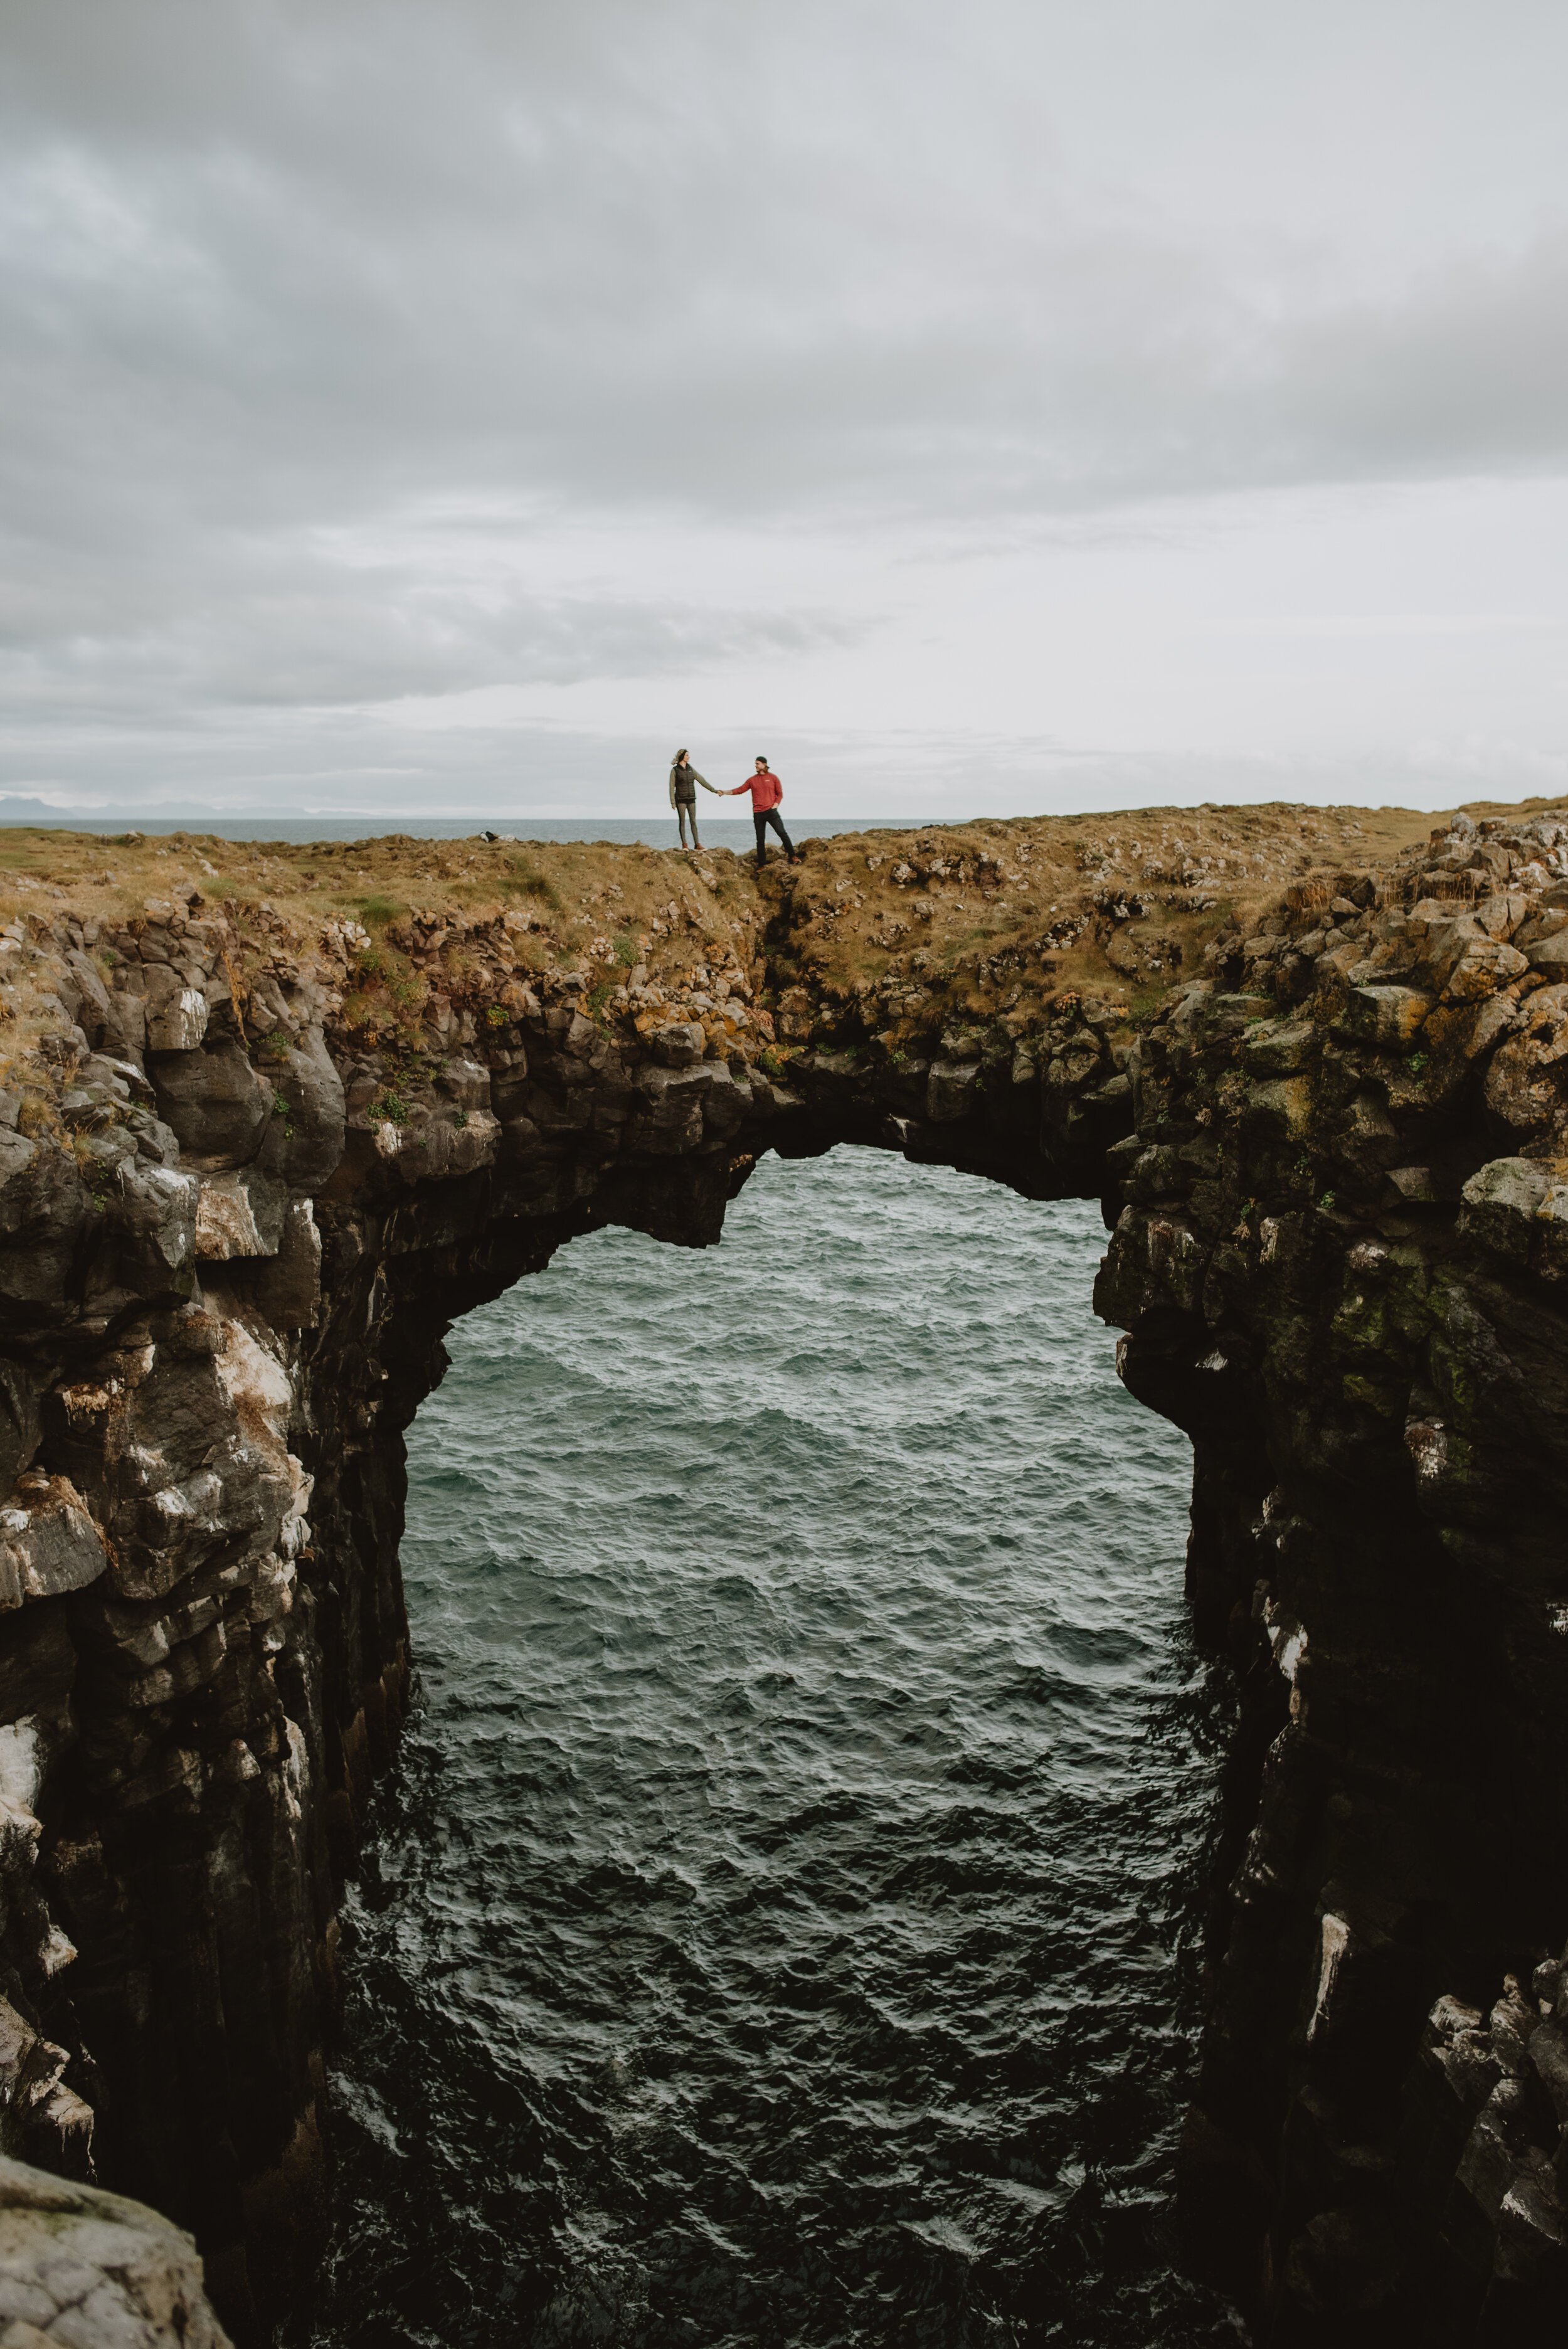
<point>767,790</point>
<point>684,780</point>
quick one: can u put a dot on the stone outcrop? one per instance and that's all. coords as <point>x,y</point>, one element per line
<point>254,1163</point>
<point>81,2269</point>
<point>1338,1269</point>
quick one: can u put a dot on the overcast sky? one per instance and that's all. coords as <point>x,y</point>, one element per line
<point>977,405</point>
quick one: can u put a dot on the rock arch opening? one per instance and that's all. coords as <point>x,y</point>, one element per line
<point>793,1878</point>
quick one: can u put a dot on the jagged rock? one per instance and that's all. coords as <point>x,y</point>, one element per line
<point>671,1124</point>
<point>1387,1018</point>
<point>305,1142</point>
<point>176,1014</point>
<point>41,2117</point>
<point>1502,1205</point>
<point>1277,1048</point>
<point>241,1214</point>
<point>17,1154</point>
<point>216,1103</point>
<point>1527,1081</point>
<point>156,1206</point>
<point>92,1006</point>
<point>678,1045</point>
<point>289,1294</point>
<point>951,1090</point>
<point>48,1543</point>
<point>1549,953</point>
<point>465,1083</point>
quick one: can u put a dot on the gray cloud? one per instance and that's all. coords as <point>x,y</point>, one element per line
<point>278,278</point>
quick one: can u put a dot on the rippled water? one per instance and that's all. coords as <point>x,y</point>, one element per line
<point>781,1927</point>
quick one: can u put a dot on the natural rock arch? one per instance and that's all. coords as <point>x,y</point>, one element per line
<point>234,1240</point>
<point>256,1614</point>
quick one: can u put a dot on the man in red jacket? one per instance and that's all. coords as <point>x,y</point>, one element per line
<point>767,790</point>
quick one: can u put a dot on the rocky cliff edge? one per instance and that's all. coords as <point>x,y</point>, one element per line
<point>268,1125</point>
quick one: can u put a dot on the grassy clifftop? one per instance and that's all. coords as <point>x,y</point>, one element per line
<point>879,939</point>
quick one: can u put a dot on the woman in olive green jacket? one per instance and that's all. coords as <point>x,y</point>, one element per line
<point>684,780</point>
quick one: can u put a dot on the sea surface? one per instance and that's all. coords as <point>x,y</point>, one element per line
<point>781,1927</point>
<point>654,829</point>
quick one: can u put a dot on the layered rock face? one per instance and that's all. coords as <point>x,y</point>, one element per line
<point>237,1219</point>
<point>256,1168</point>
<point>1340,1268</point>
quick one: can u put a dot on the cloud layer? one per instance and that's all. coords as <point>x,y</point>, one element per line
<point>360,352</point>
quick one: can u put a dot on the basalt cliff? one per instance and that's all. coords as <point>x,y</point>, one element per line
<point>269,1119</point>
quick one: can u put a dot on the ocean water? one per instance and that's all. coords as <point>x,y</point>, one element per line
<point>653,830</point>
<point>781,1926</point>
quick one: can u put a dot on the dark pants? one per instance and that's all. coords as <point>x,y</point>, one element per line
<point>683,809</point>
<point>769,816</point>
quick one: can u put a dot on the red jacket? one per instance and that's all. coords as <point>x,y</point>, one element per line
<point>766,790</point>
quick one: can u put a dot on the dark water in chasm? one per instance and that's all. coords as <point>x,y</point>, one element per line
<point>781,1928</point>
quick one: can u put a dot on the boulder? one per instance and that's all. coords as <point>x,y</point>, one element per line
<point>80,2266</point>
<point>125,1025</point>
<point>305,1142</point>
<point>1526,1088</point>
<point>240,1214</point>
<point>17,1154</point>
<point>1550,955</point>
<point>48,1543</point>
<point>725,1104</point>
<point>1486,966</point>
<point>1278,1049</point>
<point>1387,1017</point>
<point>952,1091</point>
<point>1500,1203</point>
<point>43,2118</point>
<point>93,1008</point>
<point>289,1289</point>
<point>43,1200</point>
<point>1284,1106</point>
<point>156,1206</point>
<point>679,1046</point>
<point>672,1121</point>
<point>465,1083</point>
<point>217,1104</point>
<point>176,1013</point>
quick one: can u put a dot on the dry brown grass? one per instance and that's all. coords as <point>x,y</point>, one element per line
<point>996,937</point>
<point>1026,910</point>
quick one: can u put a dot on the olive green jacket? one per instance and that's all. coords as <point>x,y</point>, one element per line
<point>688,774</point>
